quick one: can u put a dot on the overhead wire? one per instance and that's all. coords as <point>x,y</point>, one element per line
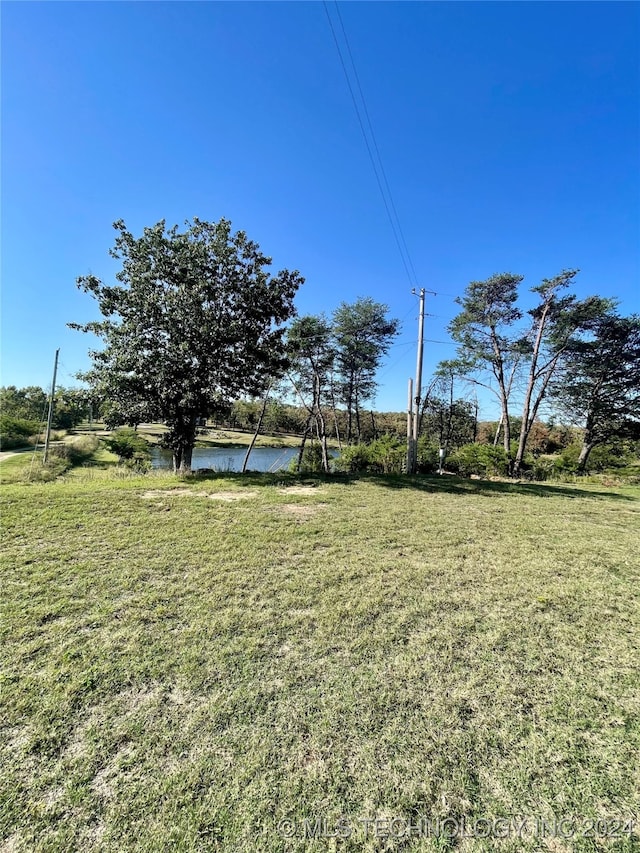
<point>396,228</point>
<point>375,144</point>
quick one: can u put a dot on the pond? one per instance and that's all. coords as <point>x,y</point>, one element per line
<point>230,458</point>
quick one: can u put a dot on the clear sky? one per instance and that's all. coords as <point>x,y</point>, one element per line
<point>509,133</point>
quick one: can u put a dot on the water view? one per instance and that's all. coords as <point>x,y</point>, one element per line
<point>230,458</point>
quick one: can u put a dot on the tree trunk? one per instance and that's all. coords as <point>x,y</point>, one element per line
<point>335,414</point>
<point>373,425</point>
<point>505,390</point>
<point>187,455</point>
<point>449,427</point>
<point>583,458</point>
<point>323,443</point>
<point>184,430</point>
<point>507,436</point>
<point>350,410</point>
<point>321,429</point>
<point>475,420</point>
<point>256,433</point>
<point>527,417</point>
<point>496,437</point>
<point>303,442</point>
<point>588,443</point>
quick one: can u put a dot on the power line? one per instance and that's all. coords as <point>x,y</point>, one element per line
<point>406,259</point>
<point>375,144</point>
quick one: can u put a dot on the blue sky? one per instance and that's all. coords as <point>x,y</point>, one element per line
<point>509,134</point>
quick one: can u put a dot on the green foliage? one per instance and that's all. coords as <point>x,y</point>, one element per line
<point>130,448</point>
<point>482,460</point>
<point>76,451</point>
<point>600,389</point>
<point>61,458</point>
<point>311,460</point>
<point>362,334</point>
<point>387,454</point>
<point>354,459</point>
<point>194,321</point>
<point>15,432</point>
<point>31,403</point>
<point>607,456</point>
<point>39,472</point>
<point>494,348</point>
<point>428,459</point>
<point>384,455</point>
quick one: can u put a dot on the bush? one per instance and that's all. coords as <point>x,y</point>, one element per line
<point>40,472</point>
<point>428,461</point>
<point>76,451</point>
<point>311,460</point>
<point>16,432</point>
<point>354,459</point>
<point>541,468</point>
<point>483,460</point>
<point>604,457</point>
<point>130,448</point>
<point>385,455</point>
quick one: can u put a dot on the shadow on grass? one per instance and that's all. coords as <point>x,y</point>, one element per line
<point>431,484</point>
<point>276,478</point>
<point>460,485</point>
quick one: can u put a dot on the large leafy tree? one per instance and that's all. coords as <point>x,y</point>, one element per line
<point>194,321</point>
<point>31,403</point>
<point>489,353</point>
<point>312,356</point>
<point>556,322</point>
<point>599,385</point>
<point>362,333</point>
<point>493,343</point>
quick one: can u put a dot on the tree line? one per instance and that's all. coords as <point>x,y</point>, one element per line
<point>580,356</point>
<point>197,325</point>
<point>23,411</point>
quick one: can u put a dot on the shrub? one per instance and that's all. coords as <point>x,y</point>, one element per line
<point>15,432</point>
<point>40,472</point>
<point>385,455</point>
<point>614,455</point>
<point>76,451</point>
<point>540,468</point>
<point>311,460</point>
<point>129,447</point>
<point>484,460</point>
<point>354,458</point>
<point>428,456</point>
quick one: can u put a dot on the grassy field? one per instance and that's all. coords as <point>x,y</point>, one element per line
<point>240,664</point>
<point>211,437</point>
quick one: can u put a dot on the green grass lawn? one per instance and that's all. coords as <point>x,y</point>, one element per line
<point>224,663</point>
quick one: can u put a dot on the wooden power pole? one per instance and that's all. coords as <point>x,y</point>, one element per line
<point>50,415</point>
<point>413,426</point>
<point>410,429</point>
<point>413,414</point>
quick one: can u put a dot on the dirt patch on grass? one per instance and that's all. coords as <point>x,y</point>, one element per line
<point>214,496</point>
<point>230,496</point>
<point>301,511</point>
<point>300,490</point>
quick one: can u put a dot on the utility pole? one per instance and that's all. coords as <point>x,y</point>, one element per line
<point>418,388</point>
<point>410,429</point>
<point>412,433</point>
<point>50,415</point>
